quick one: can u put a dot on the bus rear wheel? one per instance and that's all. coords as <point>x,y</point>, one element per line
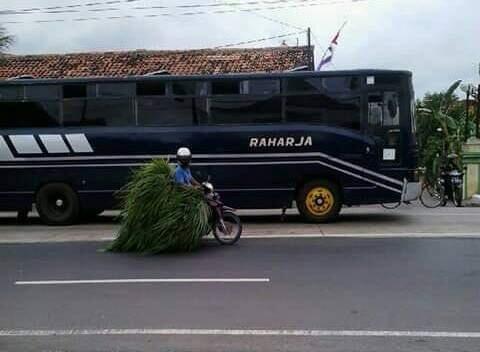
<point>319,201</point>
<point>57,204</point>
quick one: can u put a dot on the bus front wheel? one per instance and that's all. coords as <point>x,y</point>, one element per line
<point>319,201</point>
<point>57,204</point>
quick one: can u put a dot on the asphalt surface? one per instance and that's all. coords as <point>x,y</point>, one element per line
<point>364,221</point>
<point>321,284</point>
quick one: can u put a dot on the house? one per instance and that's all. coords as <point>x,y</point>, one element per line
<point>141,62</point>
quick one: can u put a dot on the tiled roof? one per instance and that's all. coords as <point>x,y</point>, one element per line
<point>140,62</point>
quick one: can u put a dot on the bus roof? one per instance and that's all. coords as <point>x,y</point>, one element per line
<point>259,75</point>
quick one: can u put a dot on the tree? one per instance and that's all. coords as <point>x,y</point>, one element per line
<point>5,40</point>
<point>441,127</point>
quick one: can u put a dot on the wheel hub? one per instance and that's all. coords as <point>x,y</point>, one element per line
<point>319,201</point>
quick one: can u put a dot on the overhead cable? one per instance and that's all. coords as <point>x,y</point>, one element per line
<point>313,3</point>
<point>68,9</point>
<point>259,40</point>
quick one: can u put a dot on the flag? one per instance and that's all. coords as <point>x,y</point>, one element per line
<point>328,55</point>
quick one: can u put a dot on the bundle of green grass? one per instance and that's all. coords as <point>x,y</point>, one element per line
<point>158,215</point>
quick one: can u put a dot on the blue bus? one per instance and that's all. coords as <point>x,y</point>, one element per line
<point>317,140</point>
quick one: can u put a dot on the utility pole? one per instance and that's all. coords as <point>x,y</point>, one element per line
<point>467,110</point>
<point>309,45</point>
<point>478,112</point>
<point>477,127</point>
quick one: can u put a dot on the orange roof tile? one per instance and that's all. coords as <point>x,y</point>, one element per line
<point>140,62</point>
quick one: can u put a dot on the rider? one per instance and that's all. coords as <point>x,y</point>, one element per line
<point>182,173</point>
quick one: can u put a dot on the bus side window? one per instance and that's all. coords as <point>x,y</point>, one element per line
<point>225,87</point>
<point>11,92</point>
<point>260,87</point>
<point>116,89</point>
<point>107,104</point>
<point>149,88</point>
<point>29,114</point>
<point>255,101</point>
<point>164,111</point>
<point>327,101</point>
<point>40,108</point>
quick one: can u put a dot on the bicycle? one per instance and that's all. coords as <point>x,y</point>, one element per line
<point>447,186</point>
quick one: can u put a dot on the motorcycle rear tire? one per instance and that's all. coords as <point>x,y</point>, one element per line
<point>457,196</point>
<point>231,217</point>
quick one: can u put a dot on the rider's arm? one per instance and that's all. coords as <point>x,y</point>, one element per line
<point>195,182</point>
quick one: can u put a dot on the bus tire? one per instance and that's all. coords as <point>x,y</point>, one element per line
<point>57,204</point>
<point>319,201</point>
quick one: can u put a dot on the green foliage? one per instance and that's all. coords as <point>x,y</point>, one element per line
<point>5,39</point>
<point>446,112</point>
<point>159,215</point>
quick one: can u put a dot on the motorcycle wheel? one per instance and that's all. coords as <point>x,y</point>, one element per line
<point>432,196</point>
<point>457,196</point>
<point>233,227</point>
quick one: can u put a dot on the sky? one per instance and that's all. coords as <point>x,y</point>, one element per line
<point>438,40</point>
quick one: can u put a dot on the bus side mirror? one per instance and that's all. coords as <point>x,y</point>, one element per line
<point>392,108</point>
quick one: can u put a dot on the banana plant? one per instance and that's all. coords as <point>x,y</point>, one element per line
<point>441,127</point>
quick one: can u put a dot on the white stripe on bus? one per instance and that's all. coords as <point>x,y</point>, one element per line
<point>224,164</point>
<point>79,143</point>
<point>25,144</point>
<point>5,152</point>
<point>54,143</point>
<point>220,156</point>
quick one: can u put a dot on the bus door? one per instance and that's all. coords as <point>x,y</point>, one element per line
<point>384,127</point>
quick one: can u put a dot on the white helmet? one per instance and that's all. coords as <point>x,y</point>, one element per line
<point>184,155</point>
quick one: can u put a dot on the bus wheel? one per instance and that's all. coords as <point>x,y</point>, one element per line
<point>319,201</point>
<point>57,204</point>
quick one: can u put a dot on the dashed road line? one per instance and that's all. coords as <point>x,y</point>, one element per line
<point>140,281</point>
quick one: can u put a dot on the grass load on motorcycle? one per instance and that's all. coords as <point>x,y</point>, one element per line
<point>171,212</point>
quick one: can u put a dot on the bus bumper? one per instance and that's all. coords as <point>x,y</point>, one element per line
<point>411,191</point>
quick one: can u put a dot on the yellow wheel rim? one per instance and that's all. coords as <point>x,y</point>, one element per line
<point>319,201</point>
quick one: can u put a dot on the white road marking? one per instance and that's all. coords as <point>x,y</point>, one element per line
<point>136,281</point>
<point>365,235</point>
<point>104,238</point>
<point>244,332</point>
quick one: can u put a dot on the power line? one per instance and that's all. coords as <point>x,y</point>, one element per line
<point>32,10</point>
<point>313,3</point>
<point>68,9</point>
<point>283,23</point>
<point>259,40</point>
<point>317,42</point>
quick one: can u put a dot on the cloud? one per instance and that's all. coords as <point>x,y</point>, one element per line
<point>436,39</point>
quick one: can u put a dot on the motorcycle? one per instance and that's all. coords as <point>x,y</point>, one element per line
<point>448,186</point>
<point>226,225</point>
<point>453,181</point>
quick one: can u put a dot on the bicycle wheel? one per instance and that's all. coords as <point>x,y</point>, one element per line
<point>432,196</point>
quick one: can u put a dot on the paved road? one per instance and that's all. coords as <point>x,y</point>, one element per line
<point>371,288</point>
<point>370,220</point>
